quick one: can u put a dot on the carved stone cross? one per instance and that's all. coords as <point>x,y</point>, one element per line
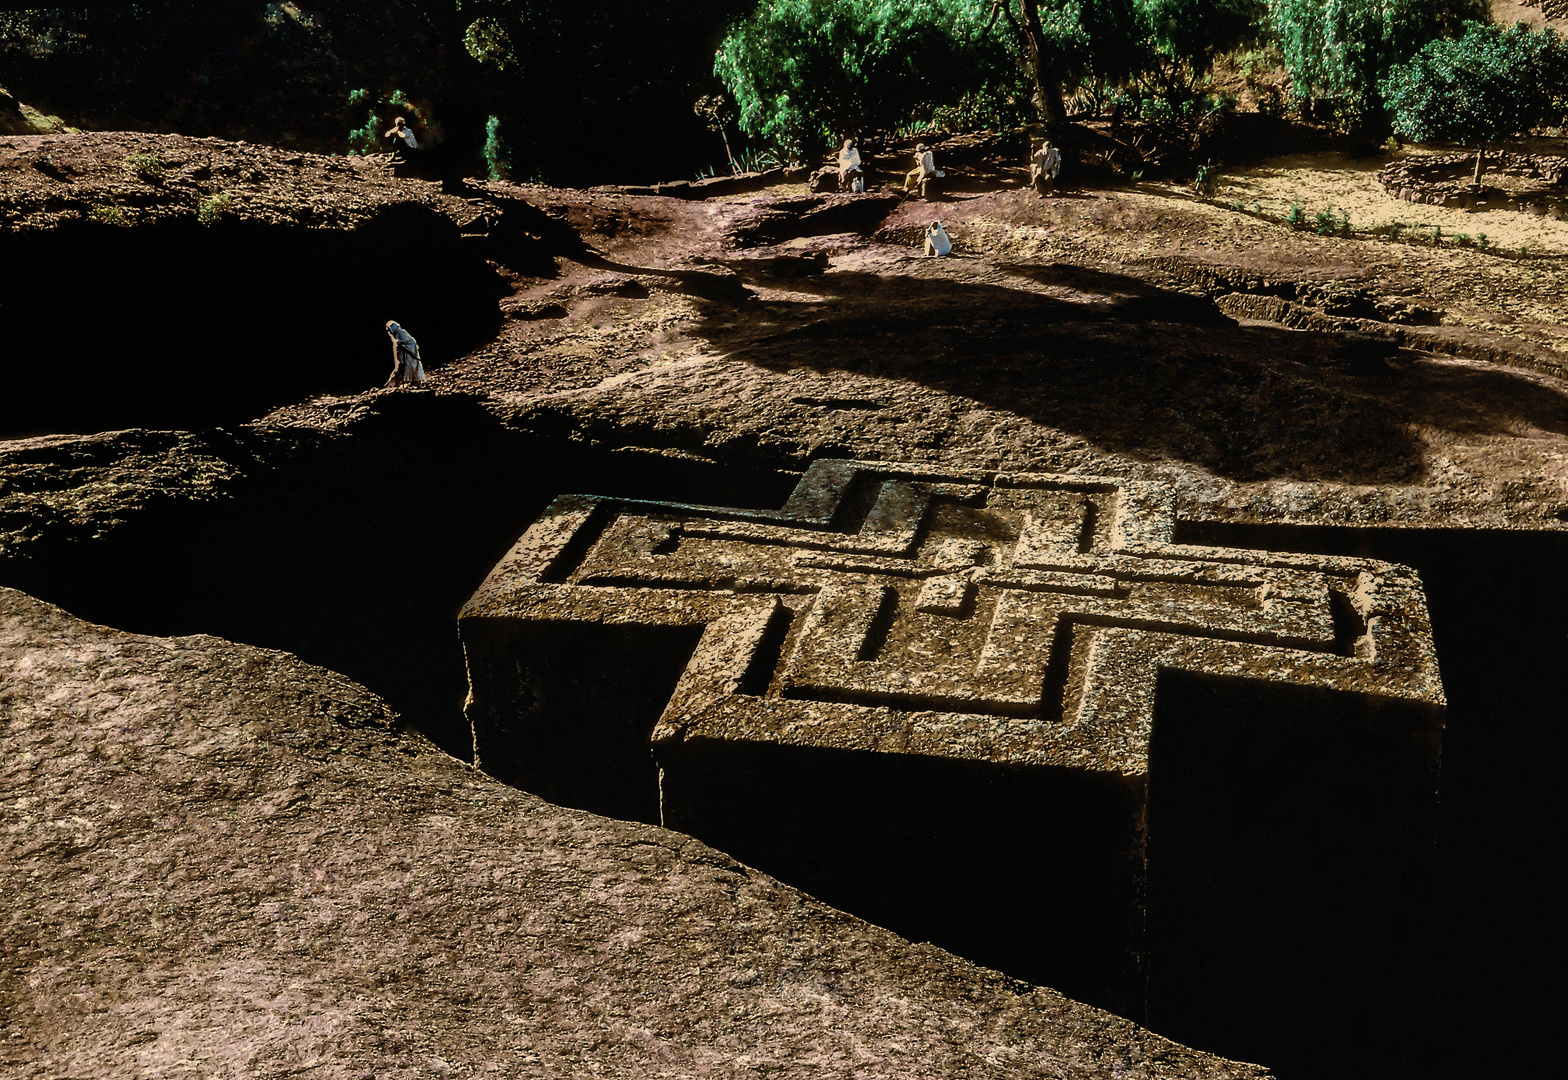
<point>1015,620</point>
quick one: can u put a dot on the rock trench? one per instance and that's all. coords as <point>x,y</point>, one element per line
<point>351,531</point>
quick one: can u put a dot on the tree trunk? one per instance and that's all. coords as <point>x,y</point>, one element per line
<point>1480,163</point>
<point>1047,98</point>
<point>734,168</point>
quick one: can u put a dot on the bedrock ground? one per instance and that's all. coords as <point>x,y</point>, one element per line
<point>1074,334</point>
<point>707,350</point>
<point>239,863</point>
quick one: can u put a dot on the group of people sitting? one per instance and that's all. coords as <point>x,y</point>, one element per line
<point>1045,165</point>
<point>852,175</point>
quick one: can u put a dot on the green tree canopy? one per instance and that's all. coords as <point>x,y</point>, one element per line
<point>1491,83</point>
<point>806,72</point>
<point>1193,32</point>
<point>815,69</point>
<point>1342,50</point>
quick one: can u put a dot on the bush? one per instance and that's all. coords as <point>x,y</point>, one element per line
<point>1207,181</point>
<point>108,214</point>
<point>214,208</point>
<point>363,140</point>
<point>146,165</point>
<point>1340,51</point>
<point>498,160</point>
<point>1331,223</point>
<point>1488,84</point>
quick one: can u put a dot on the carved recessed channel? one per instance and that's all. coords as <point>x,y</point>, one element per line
<point>926,696</point>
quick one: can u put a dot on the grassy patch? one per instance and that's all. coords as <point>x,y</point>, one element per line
<point>146,165</point>
<point>109,214</point>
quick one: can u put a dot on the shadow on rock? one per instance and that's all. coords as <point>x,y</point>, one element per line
<point>1137,370</point>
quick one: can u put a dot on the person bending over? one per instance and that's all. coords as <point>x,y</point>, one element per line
<point>407,370</point>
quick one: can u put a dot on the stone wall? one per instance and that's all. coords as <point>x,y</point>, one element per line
<point>1444,180</point>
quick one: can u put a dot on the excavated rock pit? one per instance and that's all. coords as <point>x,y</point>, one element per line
<point>310,552</point>
<point>706,352</point>
<point>182,326</point>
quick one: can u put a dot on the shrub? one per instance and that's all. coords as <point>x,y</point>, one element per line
<point>498,159</point>
<point>1331,223</point>
<point>363,140</point>
<point>146,165</point>
<point>109,214</point>
<point>1488,84</point>
<point>214,208</point>
<point>1207,181</point>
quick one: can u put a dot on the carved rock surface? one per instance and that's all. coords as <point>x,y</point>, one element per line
<point>220,860</point>
<point>916,660</point>
<point>927,626</point>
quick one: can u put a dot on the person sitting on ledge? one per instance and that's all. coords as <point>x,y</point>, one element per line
<point>937,240</point>
<point>850,176</point>
<point>1044,167</point>
<point>402,139</point>
<point>407,370</point>
<point>924,171</point>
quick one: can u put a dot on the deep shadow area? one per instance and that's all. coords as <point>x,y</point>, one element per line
<point>357,550</point>
<point>184,326</point>
<point>568,708</point>
<point>1483,994</point>
<point>1291,836</point>
<point>1027,870</point>
<point>1137,370</point>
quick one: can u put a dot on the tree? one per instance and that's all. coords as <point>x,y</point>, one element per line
<point>590,92</point>
<point>1189,34</point>
<point>806,72</point>
<point>582,93</point>
<point>1341,50</point>
<point>715,111</point>
<point>1064,41</point>
<point>1489,84</point>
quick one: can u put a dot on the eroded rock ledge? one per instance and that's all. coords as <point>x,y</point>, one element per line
<point>238,862</point>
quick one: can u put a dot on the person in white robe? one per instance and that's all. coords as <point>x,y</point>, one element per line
<point>925,168</point>
<point>407,369</point>
<point>937,240</point>
<point>1044,166</point>
<point>849,169</point>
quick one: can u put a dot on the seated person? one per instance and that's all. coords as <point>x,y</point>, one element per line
<point>925,169</point>
<point>402,139</point>
<point>1044,166</point>
<point>937,240</point>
